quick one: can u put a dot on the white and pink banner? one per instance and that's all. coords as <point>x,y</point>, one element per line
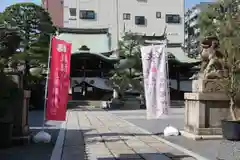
<point>156,88</point>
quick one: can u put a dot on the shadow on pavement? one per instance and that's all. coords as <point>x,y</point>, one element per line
<point>74,145</point>
<point>33,151</point>
<point>179,157</point>
<point>122,109</point>
<point>110,137</point>
<point>151,156</point>
<point>121,134</point>
<point>225,150</point>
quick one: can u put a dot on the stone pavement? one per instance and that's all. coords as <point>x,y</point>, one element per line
<point>223,149</point>
<point>99,135</point>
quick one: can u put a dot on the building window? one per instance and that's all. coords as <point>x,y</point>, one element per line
<point>173,18</point>
<point>140,20</point>
<point>73,12</point>
<point>87,14</point>
<point>158,15</point>
<point>126,16</point>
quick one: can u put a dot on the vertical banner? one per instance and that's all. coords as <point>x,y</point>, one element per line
<point>155,80</point>
<point>58,81</point>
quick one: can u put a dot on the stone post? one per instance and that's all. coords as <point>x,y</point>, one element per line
<point>21,128</point>
<point>20,112</point>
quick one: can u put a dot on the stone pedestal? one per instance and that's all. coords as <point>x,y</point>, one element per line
<point>21,128</point>
<point>204,110</point>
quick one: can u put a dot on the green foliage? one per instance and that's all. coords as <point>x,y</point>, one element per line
<point>206,20</point>
<point>1,18</point>
<point>9,95</point>
<point>127,73</point>
<point>222,20</point>
<point>9,42</point>
<point>35,28</point>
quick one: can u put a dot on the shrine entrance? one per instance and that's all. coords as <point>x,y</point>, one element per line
<point>85,91</point>
<point>90,73</point>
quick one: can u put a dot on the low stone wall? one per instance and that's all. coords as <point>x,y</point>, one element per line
<point>131,103</point>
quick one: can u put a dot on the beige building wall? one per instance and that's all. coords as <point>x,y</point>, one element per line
<point>111,13</point>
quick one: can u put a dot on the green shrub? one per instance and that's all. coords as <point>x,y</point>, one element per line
<point>10,95</point>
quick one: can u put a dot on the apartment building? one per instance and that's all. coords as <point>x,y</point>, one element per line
<point>55,9</point>
<point>192,30</point>
<point>149,17</point>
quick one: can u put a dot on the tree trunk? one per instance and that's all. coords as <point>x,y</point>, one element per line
<point>26,74</point>
<point>232,111</point>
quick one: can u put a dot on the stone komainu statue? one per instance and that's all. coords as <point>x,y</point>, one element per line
<point>213,65</point>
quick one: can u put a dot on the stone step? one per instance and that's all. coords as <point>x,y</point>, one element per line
<point>84,103</point>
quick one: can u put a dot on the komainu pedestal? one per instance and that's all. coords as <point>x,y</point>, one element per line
<point>205,108</point>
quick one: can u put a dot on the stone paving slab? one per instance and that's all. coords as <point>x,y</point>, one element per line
<point>191,146</point>
<point>106,137</point>
<point>73,147</point>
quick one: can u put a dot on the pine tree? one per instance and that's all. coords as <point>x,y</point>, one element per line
<point>35,28</point>
<point>9,42</point>
<point>128,72</point>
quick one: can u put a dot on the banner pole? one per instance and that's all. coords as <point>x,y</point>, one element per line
<point>168,81</point>
<point>43,136</point>
<point>46,84</point>
<point>167,76</point>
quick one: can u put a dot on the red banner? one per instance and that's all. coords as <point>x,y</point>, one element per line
<point>58,82</point>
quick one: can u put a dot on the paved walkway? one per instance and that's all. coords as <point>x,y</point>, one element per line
<point>224,149</point>
<point>108,137</point>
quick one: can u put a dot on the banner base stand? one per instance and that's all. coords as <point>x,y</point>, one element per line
<point>42,137</point>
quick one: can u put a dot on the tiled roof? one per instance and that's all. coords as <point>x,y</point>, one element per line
<point>179,55</point>
<point>83,31</point>
<point>97,43</point>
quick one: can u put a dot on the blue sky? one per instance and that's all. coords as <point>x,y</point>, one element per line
<point>5,3</point>
<point>190,3</point>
